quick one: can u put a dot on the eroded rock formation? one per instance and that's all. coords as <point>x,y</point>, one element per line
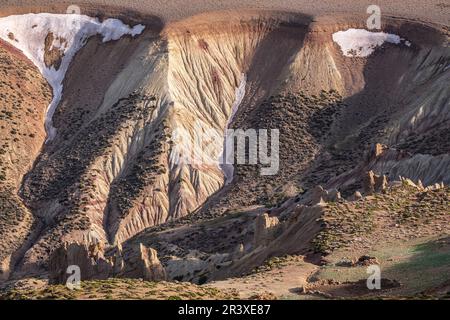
<point>265,230</point>
<point>91,261</point>
<point>116,176</point>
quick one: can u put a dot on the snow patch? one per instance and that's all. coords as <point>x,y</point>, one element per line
<point>362,43</point>
<point>28,33</point>
<point>228,169</point>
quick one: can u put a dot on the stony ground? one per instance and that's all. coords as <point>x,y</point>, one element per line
<point>115,289</point>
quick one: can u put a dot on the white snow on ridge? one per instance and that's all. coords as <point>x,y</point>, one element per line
<point>362,43</point>
<point>71,31</point>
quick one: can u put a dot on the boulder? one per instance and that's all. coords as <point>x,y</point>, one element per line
<point>365,261</point>
<point>381,183</point>
<point>117,259</point>
<point>319,195</point>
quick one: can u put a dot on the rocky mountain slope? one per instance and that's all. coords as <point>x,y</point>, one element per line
<point>24,96</point>
<point>113,190</point>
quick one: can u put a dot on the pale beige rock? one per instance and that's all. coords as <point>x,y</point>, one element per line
<point>93,264</point>
<point>205,91</point>
<point>118,260</point>
<point>321,196</point>
<point>239,252</point>
<point>5,268</point>
<point>420,185</point>
<point>265,228</point>
<point>408,182</point>
<point>376,151</point>
<point>357,195</point>
<point>317,195</point>
<point>152,267</point>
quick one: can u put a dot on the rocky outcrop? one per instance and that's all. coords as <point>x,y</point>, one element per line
<point>24,97</point>
<point>375,152</point>
<point>116,169</point>
<point>152,269</point>
<point>320,195</point>
<point>265,230</point>
<point>357,196</point>
<point>427,168</point>
<point>90,258</point>
<point>292,236</point>
<point>239,252</point>
<point>374,183</point>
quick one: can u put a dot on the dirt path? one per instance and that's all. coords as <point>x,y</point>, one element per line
<point>284,282</point>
